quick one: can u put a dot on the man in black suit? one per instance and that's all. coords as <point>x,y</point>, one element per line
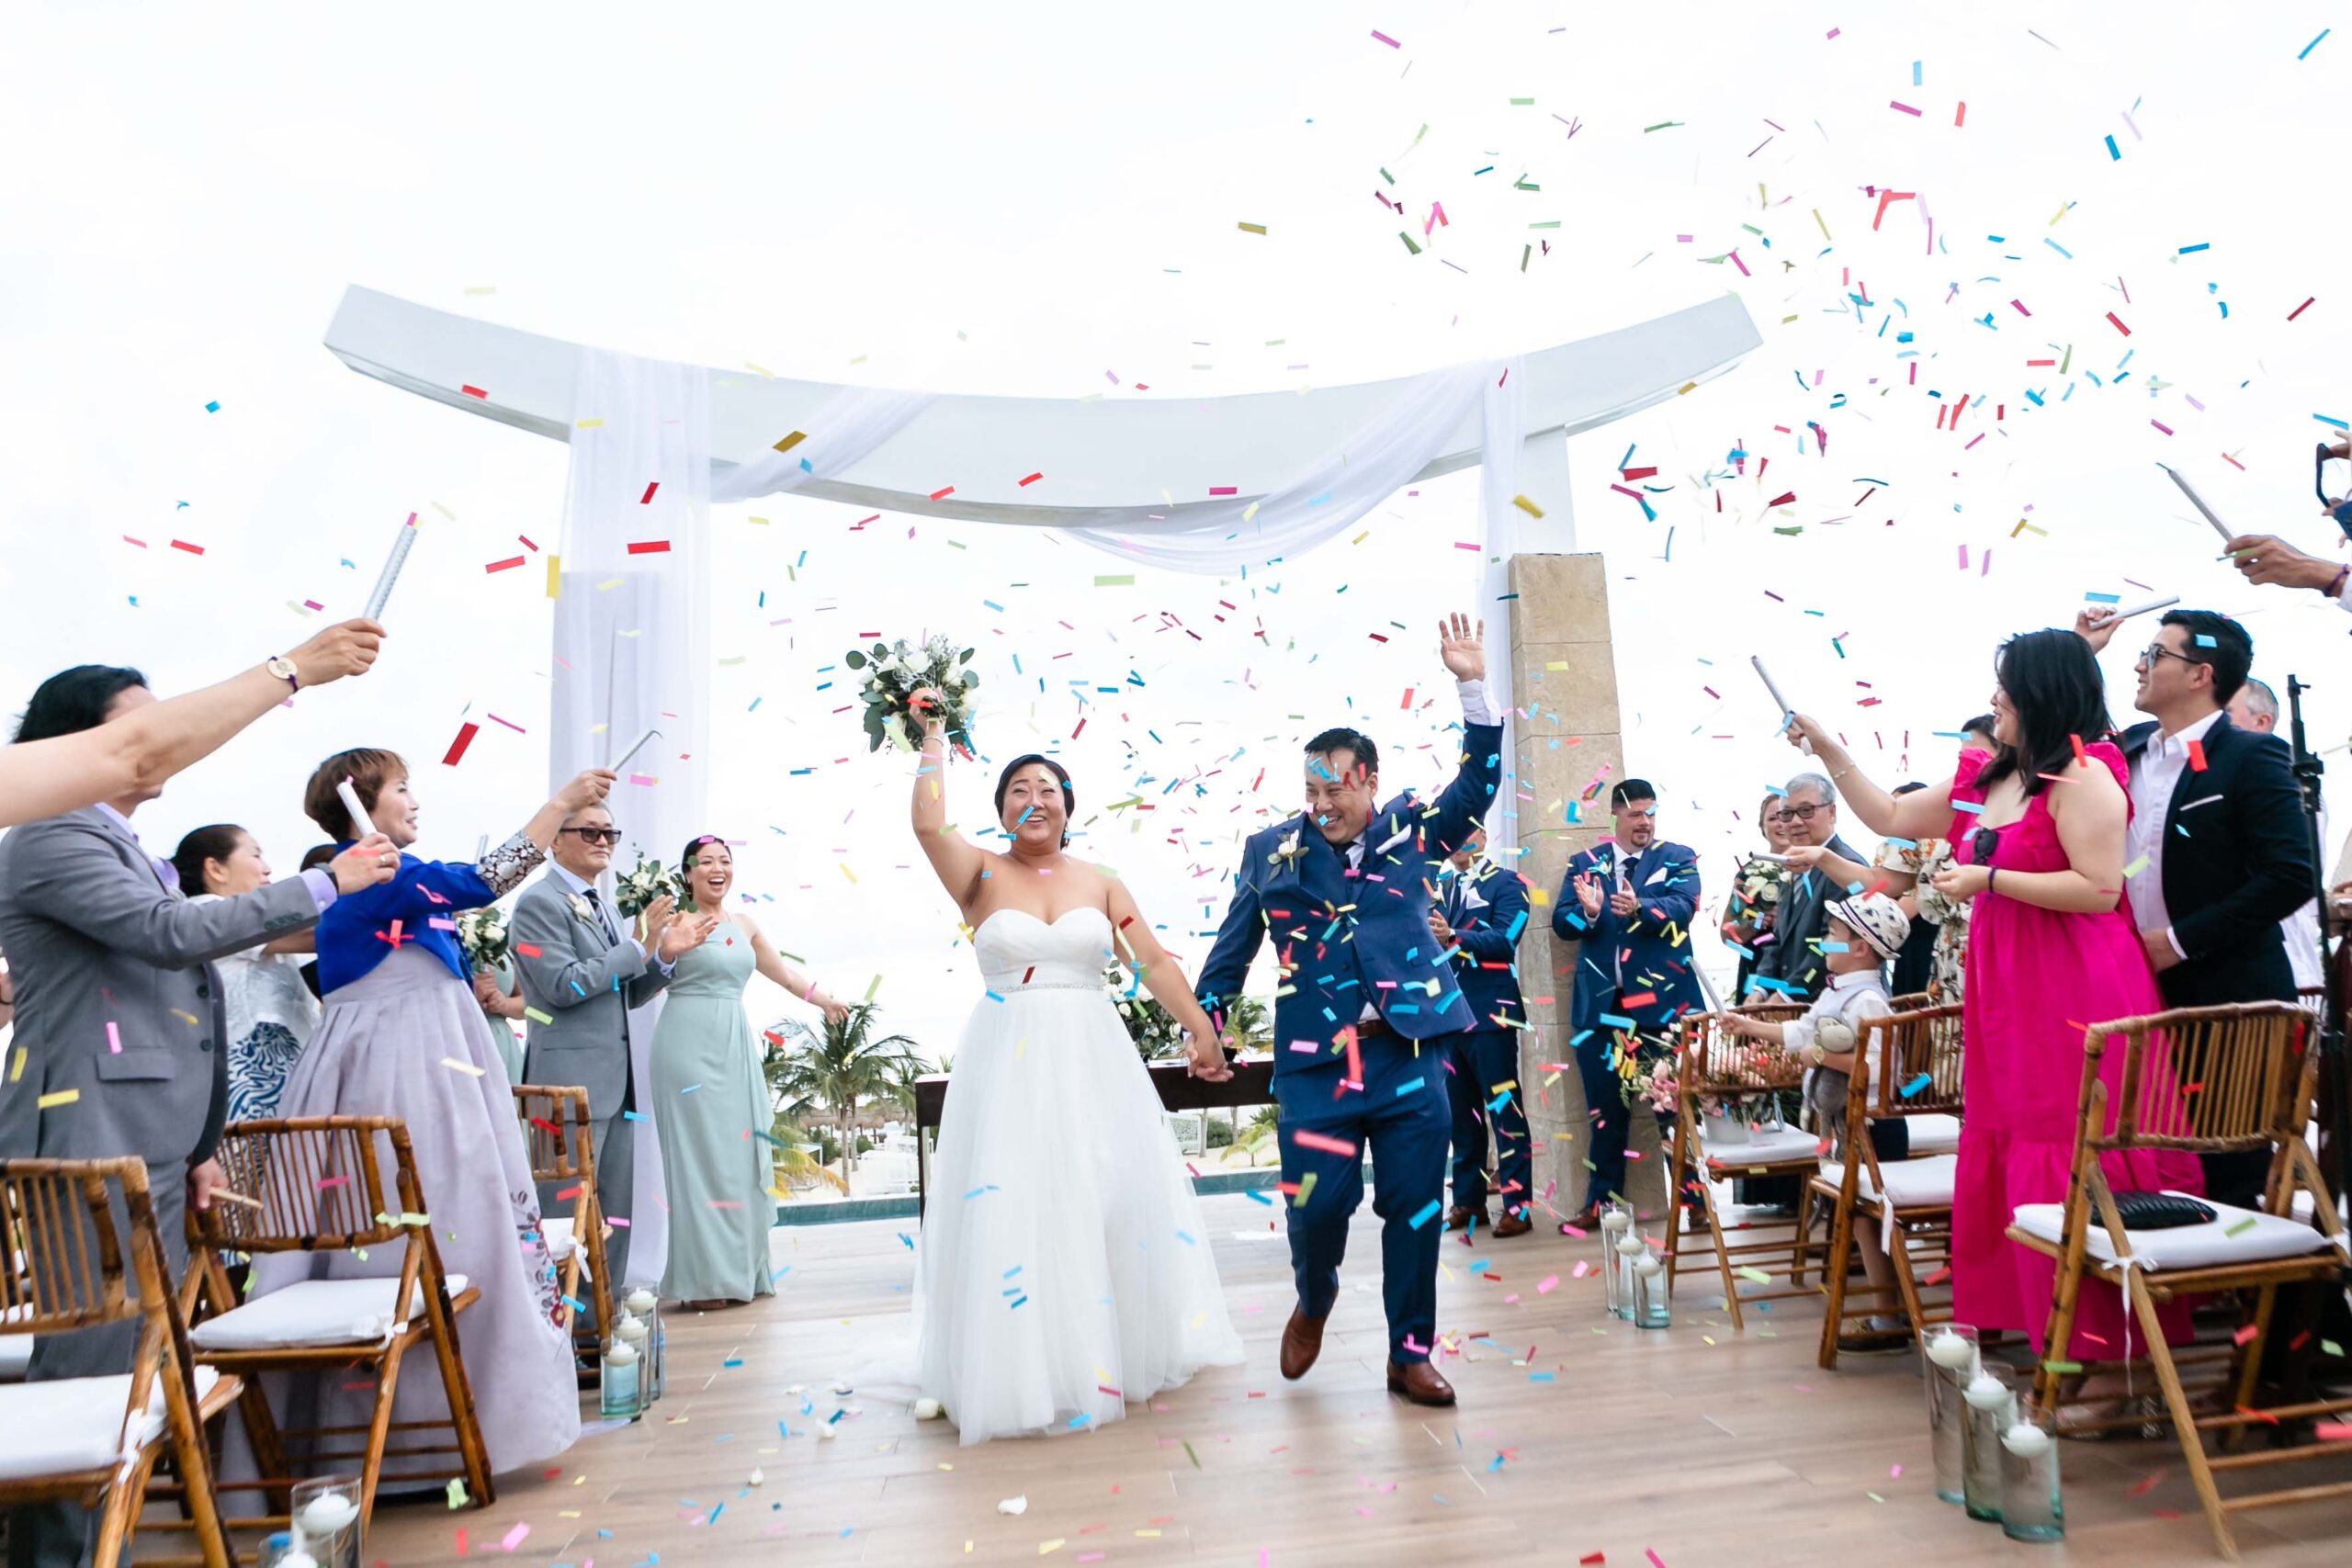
<point>1791,964</point>
<point>2218,852</point>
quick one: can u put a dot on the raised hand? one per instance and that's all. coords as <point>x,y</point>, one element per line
<point>1806,734</point>
<point>587,788</point>
<point>686,931</point>
<point>2273,562</point>
<point>348,648</point>
<point>1588,895</point>
<point>370,861</point>
<point>1462,646</point>
<point>2097,625</point>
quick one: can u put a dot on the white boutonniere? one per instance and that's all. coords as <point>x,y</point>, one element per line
<point>580,908</point>
<point>1286,853</point>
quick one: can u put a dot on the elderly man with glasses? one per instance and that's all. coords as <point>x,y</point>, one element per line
<point>582,972</point>
<point>1791,966</point>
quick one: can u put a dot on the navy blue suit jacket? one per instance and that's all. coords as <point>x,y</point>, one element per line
<point>1344,939</point>
<point>1487,938</point>
<point>1648,953</point>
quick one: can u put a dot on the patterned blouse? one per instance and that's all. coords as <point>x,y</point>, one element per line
<point>1923,858</point>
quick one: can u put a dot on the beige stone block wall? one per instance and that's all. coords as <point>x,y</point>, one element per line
<point>1564,679</point>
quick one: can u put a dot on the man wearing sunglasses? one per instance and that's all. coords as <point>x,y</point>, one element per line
<point>582,972</point>
<point>2218,853</point>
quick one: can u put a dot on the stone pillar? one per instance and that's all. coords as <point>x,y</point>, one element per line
<point>1564,684</point>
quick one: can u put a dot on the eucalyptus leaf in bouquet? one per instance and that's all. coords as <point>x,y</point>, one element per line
<point>889,674</point>
<point>644,883</point>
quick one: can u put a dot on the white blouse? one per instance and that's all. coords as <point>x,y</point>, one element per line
<point>263,988</point>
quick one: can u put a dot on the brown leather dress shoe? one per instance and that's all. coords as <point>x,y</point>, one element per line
<point>1419,1383</point>
<point>1462,1215</point>
<point>1302,1342</point>
<point>1512,1224</point>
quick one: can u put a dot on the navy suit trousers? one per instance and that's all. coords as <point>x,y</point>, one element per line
<point>1483,1058</point>
<point>1402,1113</point>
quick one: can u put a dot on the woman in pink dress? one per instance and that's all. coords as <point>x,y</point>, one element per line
<point>2038,833</point>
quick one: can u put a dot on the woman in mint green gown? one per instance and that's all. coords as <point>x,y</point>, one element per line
<point>710,1099</point>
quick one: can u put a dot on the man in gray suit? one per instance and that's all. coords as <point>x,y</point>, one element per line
<point>121,1043</point>
<point>582,972</point>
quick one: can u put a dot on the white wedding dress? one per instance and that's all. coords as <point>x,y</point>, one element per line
<point>1063,1269</point>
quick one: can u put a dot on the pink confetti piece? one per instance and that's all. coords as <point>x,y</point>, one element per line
<point>647,779</point>
<point>513,1538</point>
<point>1906,108</point>
<point>507,722</point>
<point>1386,39</point>
<point>114,1038</point>
<point>1546,1284</point>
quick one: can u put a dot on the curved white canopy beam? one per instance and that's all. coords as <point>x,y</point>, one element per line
<point>1110,459</point>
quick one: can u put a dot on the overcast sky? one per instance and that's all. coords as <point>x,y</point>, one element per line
<point>1025,198</point>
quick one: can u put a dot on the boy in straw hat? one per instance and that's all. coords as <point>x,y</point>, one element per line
<point>1865,933</point>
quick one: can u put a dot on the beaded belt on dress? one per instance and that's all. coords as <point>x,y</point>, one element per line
<point>998,987</point>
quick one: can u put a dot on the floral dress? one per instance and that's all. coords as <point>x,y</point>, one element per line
<point>1755,900</point>
<point>1924,858</point>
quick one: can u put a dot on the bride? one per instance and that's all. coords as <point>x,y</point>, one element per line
<point>1064,1270</point>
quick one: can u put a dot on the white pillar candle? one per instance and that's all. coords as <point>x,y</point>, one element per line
<point>1647,1265</point>
<point>2026,1440</point>
<point>1615,1219</point>
<point>1987,1393</point>
<point>641,1301</point>
<point>622,1354</point>
<point>327,1513</point>
<point>1631,1245</point>
<point>629,1328</point>
<point>1949,1349</point>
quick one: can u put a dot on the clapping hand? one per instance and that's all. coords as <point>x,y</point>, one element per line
<point>1622,903</point>
<point>1588,895</point>
<point>1462,647</point>
<point>684,932</point>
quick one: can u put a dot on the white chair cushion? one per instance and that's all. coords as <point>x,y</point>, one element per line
<point>2266,1239</point>
<point>1765,1148</point>
<point>1933,1134</point>
<point>16,1349</point>
<point>67,1425</point>
<point>1912,1184</point>
<point>311,1311</point>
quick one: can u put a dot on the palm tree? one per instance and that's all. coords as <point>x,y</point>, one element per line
<point>825,1074</point>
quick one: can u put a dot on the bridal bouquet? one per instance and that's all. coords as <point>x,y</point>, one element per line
<point>1152,1028</point>
<point>482,933</point>
<point>895,671</point>
<point>644,883</point>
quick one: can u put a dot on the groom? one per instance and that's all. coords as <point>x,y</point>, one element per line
<point>1343,889</point>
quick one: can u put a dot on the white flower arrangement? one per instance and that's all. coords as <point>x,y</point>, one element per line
<point>893,672</point>
<point>644,883</point>
<point>1152,1028</point>
<point>482,934</point>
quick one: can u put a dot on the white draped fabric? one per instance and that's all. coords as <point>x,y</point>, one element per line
<point>632,650</point>
<point>853,422</point>
<point>1503,406</point>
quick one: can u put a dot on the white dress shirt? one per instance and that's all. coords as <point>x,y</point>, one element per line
<point>582,888</point>
<point>1475,710</point>
<point>2156,774</point>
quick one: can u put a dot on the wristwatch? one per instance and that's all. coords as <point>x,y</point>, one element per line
<point>283,668</point>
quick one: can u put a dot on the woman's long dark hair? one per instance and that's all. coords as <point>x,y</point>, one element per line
<point>1069,796</point>
<point>2053,685</point>
<point>218,842</point>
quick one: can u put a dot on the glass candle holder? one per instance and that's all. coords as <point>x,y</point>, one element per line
<point>1949,1356</point>
<point>2031,1509</point>
<point>325,1521</point>
<point>620,1394</point>
<point>1650,1309</point>
<point>1992,1410</point>
<point>647,1306</point>
<point>1623,1251</point>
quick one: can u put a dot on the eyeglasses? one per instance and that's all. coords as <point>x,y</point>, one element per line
<point>1800,813</point>
<point>2156,651</point>
<point>595,835</point>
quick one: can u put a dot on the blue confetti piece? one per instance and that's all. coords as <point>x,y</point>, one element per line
<point>1405,1089</point>
<point>1429,1212</point>
<point>1916,1085</point>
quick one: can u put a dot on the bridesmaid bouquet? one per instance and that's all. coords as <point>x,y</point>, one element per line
<point>893,672</point>
<point>482,933</point>
<point>1152,1028</point>
<point>644,883</point>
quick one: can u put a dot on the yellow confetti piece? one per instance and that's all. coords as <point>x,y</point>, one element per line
<point>764,372</point>
<point>1045,1547</point>
<point>736,660</point>
<point>761,521</point>
<point>608,585</point>
<point>535,1016</point>
<point>794,439</point>
<point>461,1067</point>
<point>555,576</point>
<point>1527,506</point>
<point>484,288</point>
<point>846,872</point>
<point>62,1096</point>
<point>1251,228</point>
<point>16,1063</point>
<point>1825,227</point>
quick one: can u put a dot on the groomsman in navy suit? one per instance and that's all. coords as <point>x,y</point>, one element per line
<point>1628,903</point>
<point>1480,911</point>
<point>1366,998</point>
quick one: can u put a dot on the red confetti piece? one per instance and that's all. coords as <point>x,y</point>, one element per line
<point>502,565</point>
<point>527,541</point>
<point>2301,308</point>
<point>472,392</point>
<point>1321,1142</point>
<point>1783,500</point>
<point>183,544</point>
<point>129,540</point>
<point>466,733</point>
<point>649,548</point>
<point>1630,474</point>
<point>2197,756</point>
<point>1224,490</point>
<point>526,950</point>
<point>1032,479</point>
<point>2111,316</point>
<point>647,497</point>
<point>942,494</point>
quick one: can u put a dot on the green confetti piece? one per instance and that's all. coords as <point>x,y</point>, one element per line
<point>456,1493</point>
<point>2063,1369</point>
<point>2242,1227</point>
<point>1408,241</point>
<point>1126,579</point>
<point>1190,1455</point>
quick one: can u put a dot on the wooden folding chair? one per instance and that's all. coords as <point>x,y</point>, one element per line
<point>67,1264</point>
<point>2208,1081</point>
<point>1913,1077</point>
<point>1746,1078</point>
<point>555,1131</point>
<point>316,1185</point>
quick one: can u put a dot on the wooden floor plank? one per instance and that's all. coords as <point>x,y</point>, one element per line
<point>1697,1443</point>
